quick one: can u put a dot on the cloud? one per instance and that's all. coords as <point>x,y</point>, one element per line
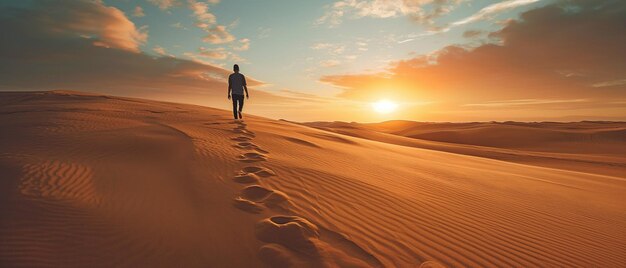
<point>91,21</point>
<point>329,63</point>
<point>52,47</point>
<point>308,98</point>
<point>522,102</point>
<point>244,44</point>
<point>205,20</point>
<point>332,49</point>
<point>218,35</point>
<point>263,32</point>
<point>201,12</point>
<point>423,11</point>
<point>178,25</point>
<point>484,13</point>
<point>164,4</point>
<point>233,24</point>
<point>215,53</point>
<point>138,12</point>
<point>493,9</point>
<point>159,50</point>
<point>362,46</point>
<point>613,83</point>
<point>473,33</point>
<point>533,59</point>
<point>236,58</point>
<point>319,46</point>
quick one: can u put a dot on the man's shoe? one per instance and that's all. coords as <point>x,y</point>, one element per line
<point>240,115</point>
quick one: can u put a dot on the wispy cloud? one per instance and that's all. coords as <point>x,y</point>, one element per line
<point>244,44</point>
<point>621,82</point>
<point>319,46</point>
<point>159,50</point>
<point>329,63</point>
<point>482,14</point>
<point>218,35</point>
<point>504,103</point>
<point>214,53</point>
<point>332,49</point>
<point>201,12</point>
<point>138,12</point>
<point>263,32</point>
<point>164,4</point>
<point>207,21</point>
<point>490,10</point>
<point>423,11</point>
<point>219,54</point>
<point>473,33</point>
<point>178,25</point>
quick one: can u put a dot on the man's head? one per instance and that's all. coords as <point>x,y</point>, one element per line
<point>236,68</point>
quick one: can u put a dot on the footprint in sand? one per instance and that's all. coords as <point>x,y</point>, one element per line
<point>296,242</point>
<point>260,171</point>
<point>250,146</point>
<point>247,178</point>
<point>247,205</point>
<point>252,174</point>
<point>253,196</point>
<point>244,132</point>
<point>241,139</point>
<point>270,198</point>
<point>291,232</point>
<point>252,157</point>
<point>241,129</point>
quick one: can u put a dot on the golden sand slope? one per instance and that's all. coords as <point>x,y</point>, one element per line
<point>592,147</point>
<point>104,181</point>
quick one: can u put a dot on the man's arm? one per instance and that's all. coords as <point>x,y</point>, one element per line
<point>229,87</point>
<point>245,86</point>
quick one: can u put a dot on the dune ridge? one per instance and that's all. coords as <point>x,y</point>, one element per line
<point>596,147</point>
<point>103,181</point>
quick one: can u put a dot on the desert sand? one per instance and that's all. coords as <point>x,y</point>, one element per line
<point>592,147</point>
<point>101,181</point>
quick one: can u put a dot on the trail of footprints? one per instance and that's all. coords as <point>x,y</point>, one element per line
<point>288,238</point>
<point>253,197</point>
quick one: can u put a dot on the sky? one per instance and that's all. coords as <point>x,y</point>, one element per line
<point>426,60</point>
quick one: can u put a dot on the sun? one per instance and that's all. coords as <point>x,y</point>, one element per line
<point>384,106</point>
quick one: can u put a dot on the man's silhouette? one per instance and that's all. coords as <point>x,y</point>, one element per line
<point>236,86</point>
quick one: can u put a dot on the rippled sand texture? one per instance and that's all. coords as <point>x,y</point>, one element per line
<point>99,181</point>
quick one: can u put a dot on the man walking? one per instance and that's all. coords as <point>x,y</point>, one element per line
<point>236,86</point>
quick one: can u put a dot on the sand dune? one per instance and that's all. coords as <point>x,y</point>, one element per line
<point>600,137</point>
<point>592,147</point>
<point>104,181</point>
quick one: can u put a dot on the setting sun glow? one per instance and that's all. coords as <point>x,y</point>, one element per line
<point>384,106</point>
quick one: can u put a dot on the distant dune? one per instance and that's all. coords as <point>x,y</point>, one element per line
<point>101,181</point>
<point>595,147</point>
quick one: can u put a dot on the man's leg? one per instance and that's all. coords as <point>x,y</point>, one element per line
<point>234,105</point>
<point>240,106</point>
